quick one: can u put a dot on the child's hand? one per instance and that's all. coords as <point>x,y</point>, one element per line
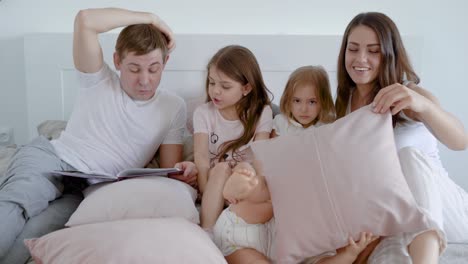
<point>354,248</point>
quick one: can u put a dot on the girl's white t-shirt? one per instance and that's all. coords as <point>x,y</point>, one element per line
<point>208,120</point>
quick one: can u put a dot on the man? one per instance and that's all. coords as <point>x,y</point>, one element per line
<point>117,123</point>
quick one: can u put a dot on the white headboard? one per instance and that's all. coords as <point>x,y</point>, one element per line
<point>52,86</point>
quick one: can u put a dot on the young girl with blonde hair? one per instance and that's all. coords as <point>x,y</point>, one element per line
<point>306,101</point>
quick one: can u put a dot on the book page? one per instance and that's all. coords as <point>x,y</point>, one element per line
<point>137,172</point>
<point>128,173</point>
<point>79,174</point>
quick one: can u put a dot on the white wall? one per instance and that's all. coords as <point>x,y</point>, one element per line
<point>441,24</point>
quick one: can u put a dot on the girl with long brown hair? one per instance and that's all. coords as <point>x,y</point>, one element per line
<point>236,113</point>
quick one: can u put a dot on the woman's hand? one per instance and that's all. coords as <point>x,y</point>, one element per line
<point>420,105</point>
<point>397,97</point>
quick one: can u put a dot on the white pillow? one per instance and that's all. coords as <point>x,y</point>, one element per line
<point>165,240</point>
<point>143,197</point>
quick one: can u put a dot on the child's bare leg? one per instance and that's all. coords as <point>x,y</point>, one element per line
<point>241,183</point>
<point>247,256</point>
<point>212,200</point>
<point>425,248</point>
<point>253,213</point>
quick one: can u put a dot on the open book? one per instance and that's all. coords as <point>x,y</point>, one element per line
<point>125,174</point>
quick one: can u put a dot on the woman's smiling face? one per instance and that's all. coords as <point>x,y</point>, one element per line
<point>363,56</point>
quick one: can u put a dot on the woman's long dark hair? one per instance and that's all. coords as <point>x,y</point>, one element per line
<point>395,66</point>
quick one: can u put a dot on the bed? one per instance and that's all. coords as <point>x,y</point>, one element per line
<point>51,83</point>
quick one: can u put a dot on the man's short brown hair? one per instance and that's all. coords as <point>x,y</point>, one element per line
<point>141,39</point>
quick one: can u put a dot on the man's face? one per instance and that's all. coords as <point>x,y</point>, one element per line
<point>140,75</point>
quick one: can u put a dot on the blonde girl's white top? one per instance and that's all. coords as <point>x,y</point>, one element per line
<point>283,125</point>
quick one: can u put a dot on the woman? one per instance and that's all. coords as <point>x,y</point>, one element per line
<point>373,68</point>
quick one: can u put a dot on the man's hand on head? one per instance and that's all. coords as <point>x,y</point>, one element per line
<point>166,30</point>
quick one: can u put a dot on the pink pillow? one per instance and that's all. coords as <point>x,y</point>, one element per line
<point>335,181</point>
<point>164,240</point>
<point>144,197</point>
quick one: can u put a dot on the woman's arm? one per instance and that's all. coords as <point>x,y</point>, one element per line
<point>170,154</point>
<point>421,105</point>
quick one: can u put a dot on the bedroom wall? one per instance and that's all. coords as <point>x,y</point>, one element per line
<point>444,54</point>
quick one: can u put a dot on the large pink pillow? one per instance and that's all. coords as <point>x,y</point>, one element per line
<point>335,181</point>
<point>164,240</point>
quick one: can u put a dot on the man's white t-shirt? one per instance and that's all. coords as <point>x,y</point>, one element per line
<point>108,131</point>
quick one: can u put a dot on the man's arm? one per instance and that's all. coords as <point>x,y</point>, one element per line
<point>170,154</point>
<point>89,23</point>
